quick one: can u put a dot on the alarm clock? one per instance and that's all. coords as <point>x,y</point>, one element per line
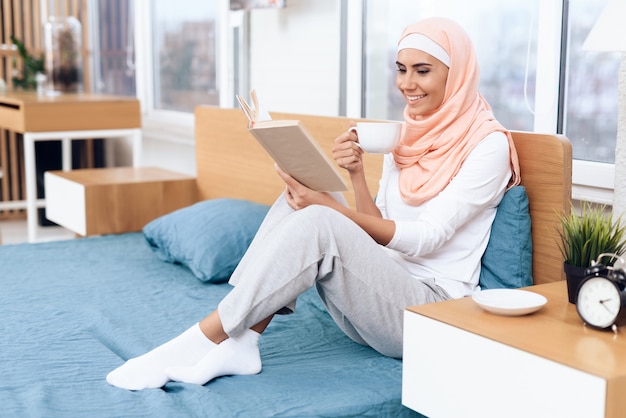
<point>601,300</point>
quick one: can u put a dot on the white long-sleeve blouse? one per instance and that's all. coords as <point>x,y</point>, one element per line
<point>445,237</point>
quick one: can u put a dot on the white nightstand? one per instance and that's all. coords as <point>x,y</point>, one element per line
<point>460,360</point>
<point>115,200</point>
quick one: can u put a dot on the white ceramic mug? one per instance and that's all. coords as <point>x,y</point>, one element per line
<point>378,137</point>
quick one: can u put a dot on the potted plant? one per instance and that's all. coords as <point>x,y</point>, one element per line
<point>31,66</point>
<point>584,236</point>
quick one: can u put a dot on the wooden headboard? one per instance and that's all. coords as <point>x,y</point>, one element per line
<point>230,163</point>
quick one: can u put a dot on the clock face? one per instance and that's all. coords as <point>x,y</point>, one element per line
<point>598,302</point>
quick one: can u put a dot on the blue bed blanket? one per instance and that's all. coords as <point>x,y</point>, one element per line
<point>71,311</point>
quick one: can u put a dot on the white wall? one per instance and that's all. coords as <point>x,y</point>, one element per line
<point>295,57</point>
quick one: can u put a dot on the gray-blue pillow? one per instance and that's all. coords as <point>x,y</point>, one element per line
<point>507,262</point>
<point>209,237</point>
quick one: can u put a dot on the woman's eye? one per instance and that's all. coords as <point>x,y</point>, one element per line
<point>401,70</point>
<point>423,72</point>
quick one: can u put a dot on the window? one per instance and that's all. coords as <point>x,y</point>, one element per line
<point>181,37</point>
<point>590,114</point>
<point>194,51</point>
<point>519,47</point>
<point>184,54</point>
<point>507,63</point>
<point>114,50</point>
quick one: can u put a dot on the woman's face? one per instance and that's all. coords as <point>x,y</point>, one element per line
<point>422,81</point>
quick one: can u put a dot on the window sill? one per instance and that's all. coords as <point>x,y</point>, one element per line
<point>592,194</point>
<point>168,126</point>
<point>593,182</point>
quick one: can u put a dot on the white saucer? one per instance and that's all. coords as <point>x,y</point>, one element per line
<point>509,302</point>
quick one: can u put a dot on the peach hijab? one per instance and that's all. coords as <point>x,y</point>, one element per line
<point>432,150</point>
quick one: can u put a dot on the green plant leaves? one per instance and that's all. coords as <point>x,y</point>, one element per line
<point>586,235</point>
<point>31,66</point>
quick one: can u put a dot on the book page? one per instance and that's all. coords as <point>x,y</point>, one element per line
<point>254,113</point>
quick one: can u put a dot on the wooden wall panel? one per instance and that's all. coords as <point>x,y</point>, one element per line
<point>23,19</point>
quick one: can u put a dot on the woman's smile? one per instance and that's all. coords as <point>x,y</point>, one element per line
<point>414,99</point>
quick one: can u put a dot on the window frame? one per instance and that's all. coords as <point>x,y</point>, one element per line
<point>591,181</point>
<point>169,125</point>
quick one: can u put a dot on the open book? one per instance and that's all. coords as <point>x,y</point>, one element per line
<point>293,148</point>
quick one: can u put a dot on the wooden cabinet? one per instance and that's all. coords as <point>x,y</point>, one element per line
<point>115,200</point>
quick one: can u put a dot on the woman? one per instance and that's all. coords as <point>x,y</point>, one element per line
<point>421,241</point>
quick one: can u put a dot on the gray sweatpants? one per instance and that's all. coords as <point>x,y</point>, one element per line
<point>363,289</point>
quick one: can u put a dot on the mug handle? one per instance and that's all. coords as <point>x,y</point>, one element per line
<point>353,130</point>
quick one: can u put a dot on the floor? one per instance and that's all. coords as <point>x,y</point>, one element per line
<point>15,232</point>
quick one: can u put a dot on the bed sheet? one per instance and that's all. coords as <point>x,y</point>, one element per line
<point>71,311</point>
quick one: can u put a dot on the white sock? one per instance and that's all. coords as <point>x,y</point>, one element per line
<point>233,356</point>
<point>148,370</point>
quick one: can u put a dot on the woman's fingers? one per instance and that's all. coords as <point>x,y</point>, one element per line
<point>346,150</point>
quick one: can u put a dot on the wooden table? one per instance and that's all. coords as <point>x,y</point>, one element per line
<point>460,360</point>
<point>115,200</point>
<point>64,118</point>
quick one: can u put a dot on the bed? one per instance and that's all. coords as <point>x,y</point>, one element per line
<point>73,310</point>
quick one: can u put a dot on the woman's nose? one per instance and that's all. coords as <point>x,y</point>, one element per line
<point>407,83</point>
